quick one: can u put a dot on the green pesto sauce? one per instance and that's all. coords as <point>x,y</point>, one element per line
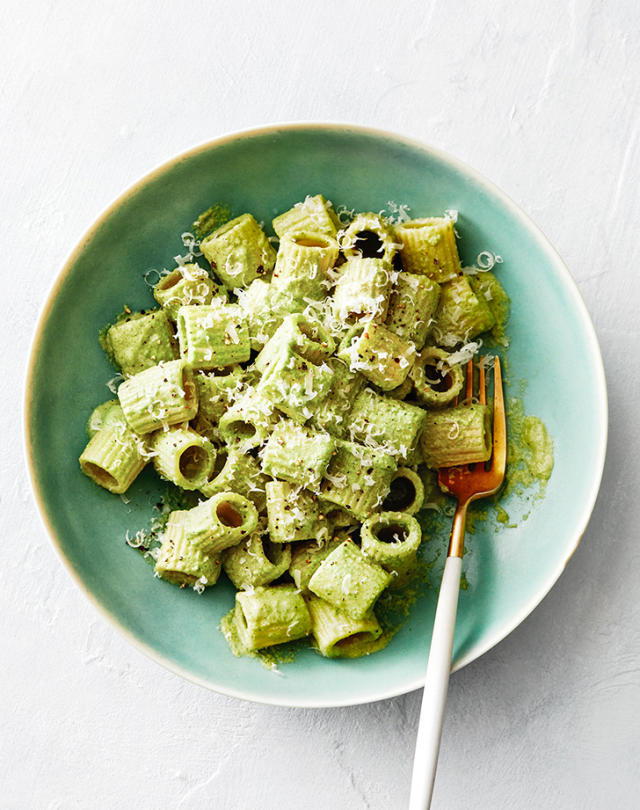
<point>210,220</point>
<point>530,451</point>
<point>478,513</point>
<point>273,657</point>
<point>503,517</point>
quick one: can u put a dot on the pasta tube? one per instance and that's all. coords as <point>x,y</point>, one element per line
<point>159,396</point>
<point>357,478</point>
<point>302,264</point>
<point>383,357</point>
<point>303,336</point>
<point>369,236</point>
<point>114,456</point>
<point>220,522</point>
<point>412,306</point>
<point>213,336</point>
<point>392,540</point>
<point>106,413</point>
<point>312,215</point>
<point>293,513</point>
<point>179,561</point>
<point>349,581</point>
<point>305,559</point>
<point>139,341</point>
<point>267,616</point>
<point>389,424</point>
<point>256,561</point>
<point>297,454</point>
<point>247,423</point>
<point>186,285</point>
<point>296,386</point>
<point>239,473</point>
<point>461,314</point>
<point>332,414</point>
<point>239,252</point>
<point>429,248</point>
<point>436,383</point>
<point>262,321</point>
<point>337,634</point>
<point>216,392</point>
<point>406,493</point>
<point>183,456</point>
<point>362,290</point>
<point>460,435</point>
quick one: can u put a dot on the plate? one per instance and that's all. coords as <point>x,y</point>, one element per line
<point>265,171</point>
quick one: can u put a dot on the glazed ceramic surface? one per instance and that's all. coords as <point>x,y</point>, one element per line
<point>553,348</point>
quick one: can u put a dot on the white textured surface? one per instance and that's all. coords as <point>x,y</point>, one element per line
<point>540,96</point>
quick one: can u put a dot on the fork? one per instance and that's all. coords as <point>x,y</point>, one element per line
<point>466,483</point>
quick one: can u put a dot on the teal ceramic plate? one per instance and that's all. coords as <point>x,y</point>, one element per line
<point>265,171</point>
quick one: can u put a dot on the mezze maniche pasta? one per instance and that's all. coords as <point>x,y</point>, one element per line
<point>301,392</point>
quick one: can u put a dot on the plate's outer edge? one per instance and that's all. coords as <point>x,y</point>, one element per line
<point>593,350</point>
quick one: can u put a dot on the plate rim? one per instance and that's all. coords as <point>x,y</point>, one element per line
<point>592,350</point>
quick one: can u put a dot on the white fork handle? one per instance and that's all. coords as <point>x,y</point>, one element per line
<point>435,688</point>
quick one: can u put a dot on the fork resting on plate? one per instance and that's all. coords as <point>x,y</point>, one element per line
<point>466,483</point>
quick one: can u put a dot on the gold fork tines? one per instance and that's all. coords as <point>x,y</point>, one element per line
<point>470,482</point>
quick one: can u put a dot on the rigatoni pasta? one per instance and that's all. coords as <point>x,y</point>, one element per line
<point>179,561</point>
<point>339,635</point>
<point>349,581</point>
<point>297,395</point>
<point>239,472</point>
<point>369,235</point>
<point>239,251</point>
<point>390,424</point>
<point>380,355</point>
<point>392,539</point>
<point>362,290</point>
<point>312,215</point>
<point>428,246</point>
<point>412,305</point>
<point>140,340</point>
<point>256,561</point>
<point>461,314</point>
<point>302,264</point>
<point>183,456</point>
<point>437,381</point>
<point>220,522</point>
<point>187,284</point>
<point>459,435</point>
<point>160,396</point>
<point>268,616</point>
<point>293,513</point>
<point>114,456</point>
<point>213,336</point>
